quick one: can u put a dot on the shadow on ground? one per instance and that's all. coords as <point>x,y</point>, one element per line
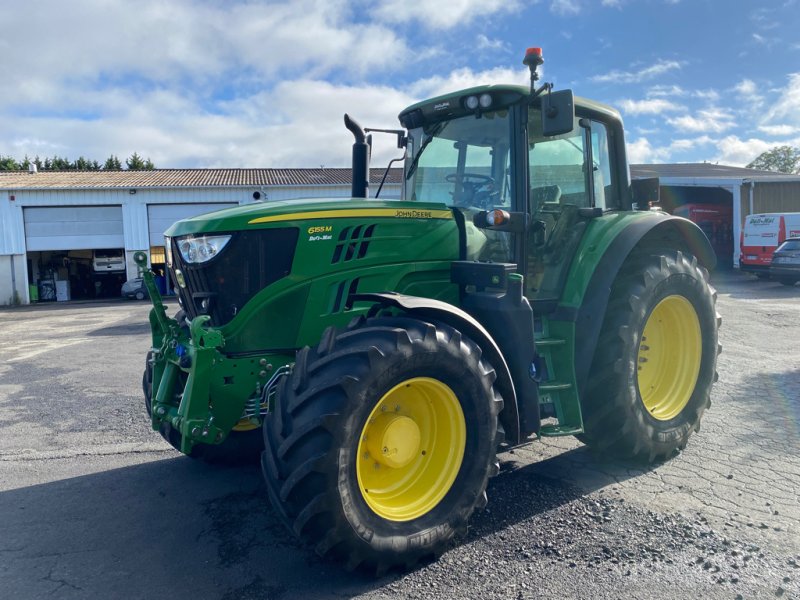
<point>200,532</point>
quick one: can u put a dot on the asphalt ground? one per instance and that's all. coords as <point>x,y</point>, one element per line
<point>93,504</point>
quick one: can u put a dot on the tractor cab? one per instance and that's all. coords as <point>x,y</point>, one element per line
<point>548,161</point>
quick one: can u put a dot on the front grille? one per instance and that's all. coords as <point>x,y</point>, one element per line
<point>251,261</point>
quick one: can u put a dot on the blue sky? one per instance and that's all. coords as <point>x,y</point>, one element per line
<point>194,83</point>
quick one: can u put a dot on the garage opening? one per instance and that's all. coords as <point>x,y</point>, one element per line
<point>74,252</point>
<point>711,208</point>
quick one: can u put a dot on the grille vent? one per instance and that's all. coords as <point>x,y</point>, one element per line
<point>353,243</point>
<point>342,295</point>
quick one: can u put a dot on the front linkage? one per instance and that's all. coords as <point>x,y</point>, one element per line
<point>181,362</point>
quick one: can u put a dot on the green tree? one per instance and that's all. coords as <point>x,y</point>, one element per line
<point>8,163</point>
<point>137,163</point>
<point>112,164</point>
<point>782,159</point>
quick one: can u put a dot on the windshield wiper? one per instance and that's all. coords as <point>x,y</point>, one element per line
<point>436,130</point>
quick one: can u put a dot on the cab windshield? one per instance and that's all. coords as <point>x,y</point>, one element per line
<point>463,162</point>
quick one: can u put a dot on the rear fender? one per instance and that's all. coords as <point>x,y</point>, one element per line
<point>641,236</point>
<point>436,310</point>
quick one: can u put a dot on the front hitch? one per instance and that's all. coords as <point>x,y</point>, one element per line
<point>159,313</point>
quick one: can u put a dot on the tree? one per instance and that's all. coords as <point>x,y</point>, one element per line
<point>112,164</point>
<point>782,159</point>
<point>8,163</point>
<point>137,163</point>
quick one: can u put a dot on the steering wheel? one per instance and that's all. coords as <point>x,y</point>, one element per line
<point>473,179</point>
<point>477,189</point>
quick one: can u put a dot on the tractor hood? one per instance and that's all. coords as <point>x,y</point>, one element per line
<point>296,212</point>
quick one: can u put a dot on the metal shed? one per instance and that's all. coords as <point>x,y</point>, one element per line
<point>747,191</point>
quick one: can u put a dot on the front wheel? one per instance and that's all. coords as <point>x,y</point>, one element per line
<point>381,442</point>
<point>654,365</point>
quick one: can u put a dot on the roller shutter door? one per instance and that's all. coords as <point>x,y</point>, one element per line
<point>73,227</point>
<point>161,216</point>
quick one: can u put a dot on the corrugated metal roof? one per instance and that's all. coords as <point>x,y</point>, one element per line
<point>177,178</point>
<point>160,178</point>
<point>705,170</point>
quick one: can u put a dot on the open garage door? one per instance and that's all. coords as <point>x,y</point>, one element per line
<point>73,227</point>
<point>161,216</point>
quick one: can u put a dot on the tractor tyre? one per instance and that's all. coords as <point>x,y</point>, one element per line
<point>242,446</point>
<point>655,361</point>
<point>382,440</point>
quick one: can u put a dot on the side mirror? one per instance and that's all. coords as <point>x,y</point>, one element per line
<point>558,112</point>
<point>644,192</point>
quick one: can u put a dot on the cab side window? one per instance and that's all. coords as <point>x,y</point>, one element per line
<point>605,195</point>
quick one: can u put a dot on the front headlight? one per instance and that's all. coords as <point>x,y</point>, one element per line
<point>201,249</point>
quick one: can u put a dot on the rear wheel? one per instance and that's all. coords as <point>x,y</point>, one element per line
<point>381,442</point>
<point>655,361</point>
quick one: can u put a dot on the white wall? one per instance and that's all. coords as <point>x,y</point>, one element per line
<point>8,283</point>
<point>134,204</point>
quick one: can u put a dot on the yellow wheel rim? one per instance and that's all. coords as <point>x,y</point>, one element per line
<point>411,449</point>
<point>245,425</point>
<point>669,357</point>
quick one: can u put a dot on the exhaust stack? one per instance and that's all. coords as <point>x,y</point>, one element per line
<point>361,151</point>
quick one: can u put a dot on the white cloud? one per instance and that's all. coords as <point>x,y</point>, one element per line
<point>689,144</point>
<point>642,151</point>
<point>666,90</point>
<point>466,78</point>
<point>654,70</point>
<point>484,43</point>
<point>787,106</point>
<point>440,15</point>
<point>649,106</point>
<point>738,152</point>
<point>713,120</point>
<point>565,7</point>
<point>184,41</point>
<point>746,87</point>
<point>612,3</point>
<point>779,130</point>
<point>304,128</point>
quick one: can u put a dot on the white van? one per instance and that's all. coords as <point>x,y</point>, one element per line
<point>761,235</point>
<point>108,260</point>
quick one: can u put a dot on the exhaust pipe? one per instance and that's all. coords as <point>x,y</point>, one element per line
<point>361,151</point>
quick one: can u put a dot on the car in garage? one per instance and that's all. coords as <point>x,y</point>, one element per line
<point>135,288</point>
<point>785,265</point>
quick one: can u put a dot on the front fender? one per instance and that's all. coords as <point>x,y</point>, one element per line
<point>428,308</point>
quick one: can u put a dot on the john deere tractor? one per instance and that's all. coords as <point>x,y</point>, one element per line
<point>378,354</point>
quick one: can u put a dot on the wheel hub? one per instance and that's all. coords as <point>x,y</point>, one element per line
<point>393,440</point>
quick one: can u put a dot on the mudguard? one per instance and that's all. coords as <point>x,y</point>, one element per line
<point>427,308</point>
<point>595,299</point>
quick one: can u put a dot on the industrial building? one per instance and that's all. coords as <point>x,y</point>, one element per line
<point>72,234</point>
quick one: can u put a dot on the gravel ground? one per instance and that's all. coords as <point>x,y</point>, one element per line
<point>94,505</point>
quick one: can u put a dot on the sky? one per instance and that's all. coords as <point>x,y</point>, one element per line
<point>201,83</point>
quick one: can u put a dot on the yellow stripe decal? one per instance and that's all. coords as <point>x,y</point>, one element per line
<point>396,213</point>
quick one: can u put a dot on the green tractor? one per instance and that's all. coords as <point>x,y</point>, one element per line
<point>378,354</point>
